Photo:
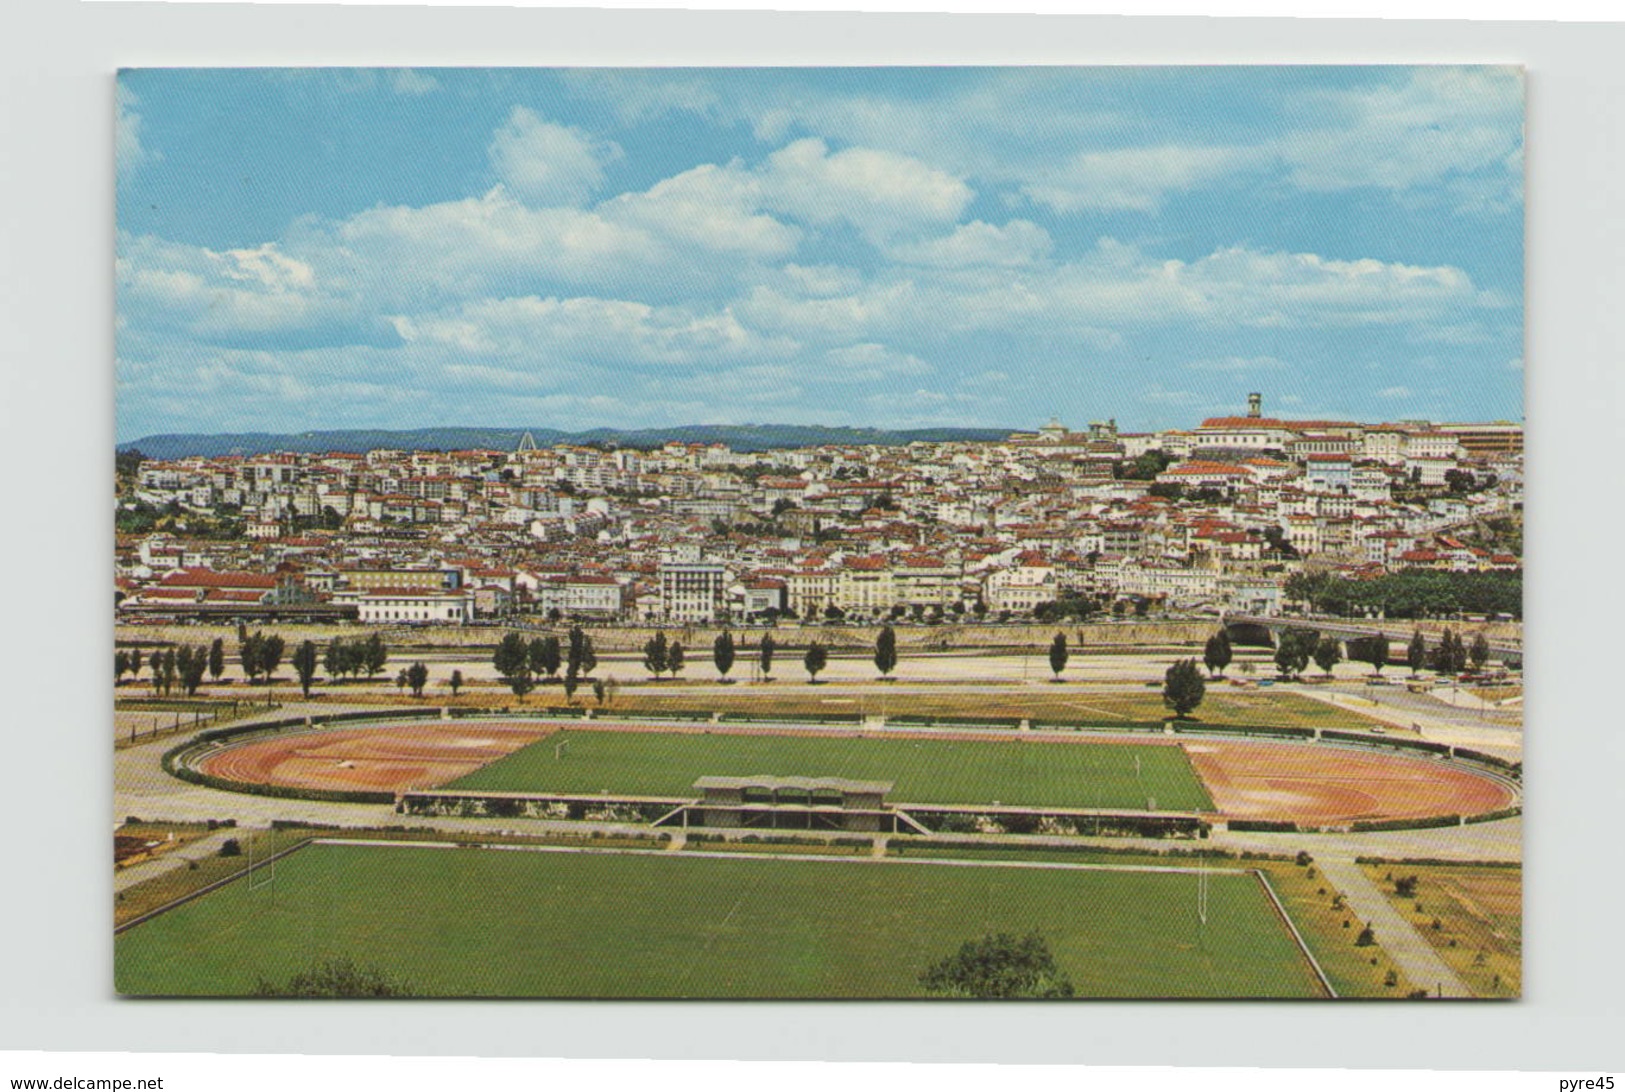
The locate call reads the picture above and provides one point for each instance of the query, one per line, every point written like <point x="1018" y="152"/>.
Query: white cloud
<point x="464" y="247"/>
<point x="128" y="149"/>
<point x="881" y="193"/>
<point x="712" y="208"/>
<point x="216" y="294"/>
<point x="1115" y="287"/>
<point x="1395" y="392"/>
<point x="1019" y="242"/>
<point x="409" y="81"/>
<point x="1437" y="124"/>
<point x="870" y="361"/>
<point x="553" y="332"/>
<point x="1134" y="179"/>
<point x="821" y="280"/>
<point x="548" y="164"/>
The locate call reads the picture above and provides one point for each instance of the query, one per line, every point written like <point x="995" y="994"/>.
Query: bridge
<point x="1398" y="631"/>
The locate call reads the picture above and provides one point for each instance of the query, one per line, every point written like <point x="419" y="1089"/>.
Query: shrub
<point x="231" y="848"/>
<point x="1303" y="858"/>
<point x="1366" y="939"/>
<point x="1405" y="886"/>
<point x="1390" y="979"/>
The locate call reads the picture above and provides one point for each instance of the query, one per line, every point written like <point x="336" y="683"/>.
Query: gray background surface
<point x="56" y="64"/>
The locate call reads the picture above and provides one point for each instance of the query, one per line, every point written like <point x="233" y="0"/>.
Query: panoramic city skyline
<point x="576" y="249"/>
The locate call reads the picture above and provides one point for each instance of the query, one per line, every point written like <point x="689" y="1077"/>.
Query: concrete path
<point x="207" y="846"/>
<point x="1396" y="936"/>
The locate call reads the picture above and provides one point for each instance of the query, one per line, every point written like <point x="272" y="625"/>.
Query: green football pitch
<point x="1023" y="770"/>
<point x="458" y="922"/>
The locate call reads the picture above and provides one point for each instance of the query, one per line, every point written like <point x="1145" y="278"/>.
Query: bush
<point x="1303" y="858"/>
<point x="1368" y="825"/>
<point x="1366" y="939"/>
<point x="1405" y="886"/>
<point x="1280" y="826"/>
<point x="231" y="848"/>
<point x="1390" y="979"/>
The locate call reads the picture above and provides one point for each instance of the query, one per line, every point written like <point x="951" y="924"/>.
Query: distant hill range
<point x="737" y="437"/>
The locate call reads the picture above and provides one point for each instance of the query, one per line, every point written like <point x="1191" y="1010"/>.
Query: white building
<point x="692" y="591"/>
<point x="405" y="605"/>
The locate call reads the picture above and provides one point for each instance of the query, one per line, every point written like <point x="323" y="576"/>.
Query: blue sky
<point x="898" y="247"/>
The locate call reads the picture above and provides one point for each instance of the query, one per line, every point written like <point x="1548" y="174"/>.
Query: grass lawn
<point x="1480" y="916"/>
<point x="1019" y="771"/>
<point x="488" y="923"/>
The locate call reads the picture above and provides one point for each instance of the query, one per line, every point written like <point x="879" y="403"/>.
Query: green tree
<point x="1328" y="654"/>
<point x="417" y="676"/>
<point x="722" y="653"/>
<point x="545" y="655"/>
<point x="1000" y="966"/>
<point x="768" y="647"/>
<point x="183" y="662"/>
<point x="1294" y="651"/>
<point x="121" y="664"/>
<point x="1416" y="653"/>
<point x="1458" y="655"/>
<point x="192" y="677"/>
<point x="1058" y="655"/>
<point x="170" y="669"/>
<point x="271" y="655"/>
<point x="674" y="658"/>
<point x="579" y="658"/>
<point x="571" y="682"/>
<point x="304" y="665"/>
<point x="455" y="682"/>
<point x="520" y="681"/>
<point x="250" y="652"/>
<point x="815" y="660"/>
<point x="374" y="654"/>
<point x="338" y="660"/>
<point x="135" y="664"/>
<point x="655" y="654"/>
<point x="600" y="691"/>
<point x="217" y="659"/>
<point x="1183" y="688"/>
<point x="885" y="651"/>
<point x="1217" y="654"/>
<point x="1374" y="651"/>
<point x="512" y="656"/>
<point x="1479" y="653"/>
